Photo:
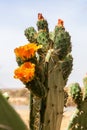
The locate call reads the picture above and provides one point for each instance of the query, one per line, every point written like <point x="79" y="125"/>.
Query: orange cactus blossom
<point x="40" y="16"/>
<point x="25" y="72"/>
<point x="60" y="23"/>
<point x="27" y="51"/>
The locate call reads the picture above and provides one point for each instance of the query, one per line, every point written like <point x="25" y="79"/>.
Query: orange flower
<point x="60" y="23"/>
<point x="27" y="51"/>
<point x="40" y="16"/>
<point x="25" y="72"/>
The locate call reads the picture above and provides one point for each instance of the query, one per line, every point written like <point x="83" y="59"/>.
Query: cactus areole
<point x="45" y="64"/>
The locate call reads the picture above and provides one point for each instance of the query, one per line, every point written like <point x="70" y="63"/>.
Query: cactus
<point x="51" y="65"/>
<point x="62" y="40"/>
<point x="9" y="118"/>
<point x="79" y="119"/>
<point x="42" y="23"/>
<point x="30" y="33"/>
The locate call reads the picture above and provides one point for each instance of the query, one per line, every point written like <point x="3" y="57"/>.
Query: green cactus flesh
<point x="35" y="112"/>
<point x="67" y="67"/>
<point x="30" y="34"/>
<point x="42" y="38"/>
<point x="9" y="119"/>
<point x="42" y="25"/>
<point x="76" y="93"/>
<point x="79" y="119"/>
<point x="37" y="88"/>
<point x="62" y="42"/>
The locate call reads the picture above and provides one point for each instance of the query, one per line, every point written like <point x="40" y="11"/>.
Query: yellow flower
<point x="25" y="72"/>
<point x="27" y="51"/>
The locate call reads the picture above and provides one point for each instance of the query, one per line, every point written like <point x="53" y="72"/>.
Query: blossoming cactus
<point x="44" y="66"/>
<point x="79" y="119"/>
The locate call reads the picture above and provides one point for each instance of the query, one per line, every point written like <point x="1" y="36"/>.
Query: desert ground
<point x="20" y="101"/>
<point x="66" y="117"/>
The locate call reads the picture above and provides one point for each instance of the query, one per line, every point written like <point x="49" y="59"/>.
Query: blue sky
<point x="16" y="16"/>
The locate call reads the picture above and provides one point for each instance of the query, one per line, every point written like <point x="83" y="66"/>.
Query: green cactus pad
<point x="76" y="93"/>
<point x="9" y="119"/>
<point x="79" y="119"/>
<point x="67" y="66"/>
<point x="42" y="38"/>
<point x="30" y="34"/>
<point x="42" y="25"/>
<point x="62" y="42"/>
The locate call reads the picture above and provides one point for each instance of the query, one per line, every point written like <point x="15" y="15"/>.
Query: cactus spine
<point x="53" y="64"/>
<point x="79" y="119"/>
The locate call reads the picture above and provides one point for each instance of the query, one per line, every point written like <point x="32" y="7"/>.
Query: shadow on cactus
<point x="79" y="119"/>
<point x="45" y="64"/>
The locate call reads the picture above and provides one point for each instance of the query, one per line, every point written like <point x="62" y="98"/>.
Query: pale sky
<point x="16" y="16"/>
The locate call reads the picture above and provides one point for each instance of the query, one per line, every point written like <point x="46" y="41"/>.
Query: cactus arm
<point x="78" y="121"/>
<point x="67" y="65"/>
<point x="42" y="23"/>
<point x="34" y="112"/>
<point x="62" y="42"/>
<point x="54" y="106"/>
<point x="31" y="122"/>
<point x="73" y="122"/>
<point x="9" y="119"/>
<point x="37" y="88"/>
<point x="76" y="93"/>
<point x="30" y="34"/>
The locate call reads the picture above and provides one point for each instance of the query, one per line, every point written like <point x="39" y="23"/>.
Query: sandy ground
<point x="18" y="100"/>
<point x="66" y="118"/>
<point x="65" y="121"/>
<point x="24" y="115"/>
<point x="21" y="97"/>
